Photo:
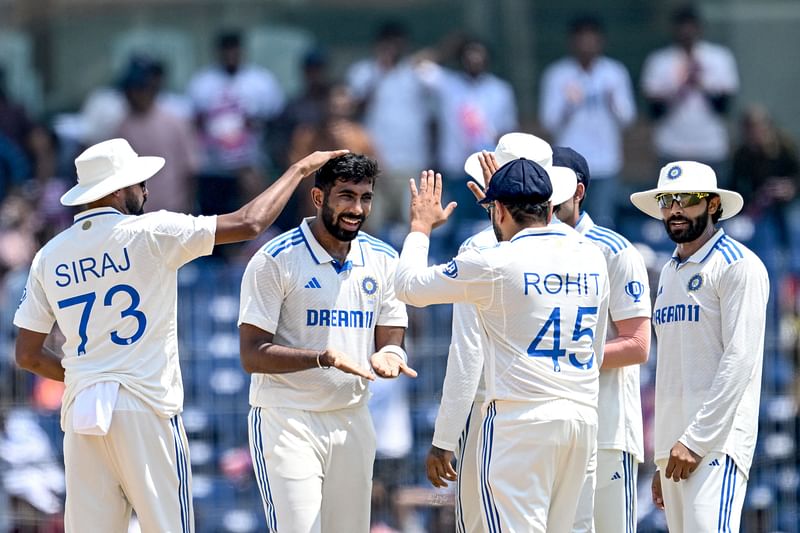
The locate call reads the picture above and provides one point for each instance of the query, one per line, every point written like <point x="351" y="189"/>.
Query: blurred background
<point x="231" y="92"/>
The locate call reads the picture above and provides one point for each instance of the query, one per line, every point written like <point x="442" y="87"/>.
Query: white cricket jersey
<point x="110" y="281"/>
<point x="542" y="299"/>
<point x="709" y="317"/>
<point x="294" y="289"/>
<point x="620" y="401"/>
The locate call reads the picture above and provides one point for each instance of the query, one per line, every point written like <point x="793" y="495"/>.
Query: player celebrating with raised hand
<point x="110" y="282"/>
<point x="709" y="318"/>
<point x="458" y="422"/>
<point x="541" y="296"/>
<point x="320" y="296"/>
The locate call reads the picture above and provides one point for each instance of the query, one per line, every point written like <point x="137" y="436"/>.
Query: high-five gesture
<point x="489" y="166"/>
<point x="426" y="203"/>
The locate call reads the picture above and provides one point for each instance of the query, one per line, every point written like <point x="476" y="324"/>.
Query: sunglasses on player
<point x="684" y="199"/>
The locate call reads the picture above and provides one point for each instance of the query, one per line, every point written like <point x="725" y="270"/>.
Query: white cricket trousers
<point x="141" y="463"/>
<point x="468" y="499"/>
<point x="710" y="500"/>
<point x="533" y="463"/>
<point x="314" y="469"/>
<point x="614" y="506"/>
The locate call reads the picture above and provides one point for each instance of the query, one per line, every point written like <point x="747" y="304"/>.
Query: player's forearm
<point x="631" y="346"/>
<point x="271" y="358"/>
<point x="253" y="218"/>
<point x="44" y="363"/>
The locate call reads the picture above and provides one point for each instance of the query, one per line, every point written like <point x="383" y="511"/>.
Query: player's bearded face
<point x="681" y="228"/>
<point x="133" y="204"/>
<point x="333" y="221"/>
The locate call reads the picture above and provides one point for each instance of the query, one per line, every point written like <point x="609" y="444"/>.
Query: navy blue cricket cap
<point x="569" y="158"/>
<point x="519" y="180"/>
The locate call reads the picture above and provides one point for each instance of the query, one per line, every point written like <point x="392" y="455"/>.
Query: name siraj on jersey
<point x="76" y="271"/>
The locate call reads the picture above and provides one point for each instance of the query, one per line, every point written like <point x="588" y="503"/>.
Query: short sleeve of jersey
<point x="393" y="311"/>
<point x="181" y="238"/>
<point x="630" y="289"/>
<point x="262" y="293"/>
<point x="34" y="312"/>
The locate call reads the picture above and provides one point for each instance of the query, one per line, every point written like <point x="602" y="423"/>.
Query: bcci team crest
<point x="695" y="282"/>
<point x="674" y="172"/>
<point x="451" y="269"/>
<point x="369" y="285"/>
<point x="635" y="289"/>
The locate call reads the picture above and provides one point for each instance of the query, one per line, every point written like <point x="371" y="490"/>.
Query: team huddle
<point x="540" y="423"/>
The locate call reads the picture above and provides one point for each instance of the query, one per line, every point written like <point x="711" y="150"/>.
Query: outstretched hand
<point x="390" y="365"/>
<point x="312" y="162"/>
<point x="336" y="359"/>
<point x="489" y="166"/>
<point x="426" y="203"/>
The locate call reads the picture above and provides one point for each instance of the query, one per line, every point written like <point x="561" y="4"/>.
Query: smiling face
<point x="344" y="208"/>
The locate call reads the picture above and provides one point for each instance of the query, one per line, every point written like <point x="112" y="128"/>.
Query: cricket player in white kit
<point x="608" y="501"/>
<point x="110" y="282"/>
<point x="542" y="300"/>
<point x="709" y="317"/>
<point x="458" y="422"/>
<point x="320" y="296"/>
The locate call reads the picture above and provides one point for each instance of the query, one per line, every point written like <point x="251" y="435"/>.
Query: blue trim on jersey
<point x="281" y="240"/>
<point x="621" y="241"/>
<point x="489" y="507"/>
<point x="377" y="244"/>
<point x="611" y="239"/>
<point x="557" y="233"/>
<point x="726" y="496"/>
<point x="285" y="246"/>
<point x="95" y="215"/>
<point x="260" y="466"/>
<point x="630" y="492"/>
<point x="462" y="443"/>
<point x="729" y="248"/>
<point x="183" y="471"/>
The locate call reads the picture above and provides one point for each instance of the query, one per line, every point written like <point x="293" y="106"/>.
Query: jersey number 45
<point x="554" y="323"/>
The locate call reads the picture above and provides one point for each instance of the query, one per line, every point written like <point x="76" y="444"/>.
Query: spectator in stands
<point x="689" y="87"/>
<point x="151" y="129"/>
<point x="766" y="170"/>
<point x="396" y="107"/>
<point x="307" y="108"/>
<point x="586" y="101"/>
<point x="475" y="108"/>
<point x="232" y="102"/>
<point x="337" y="128"/>
<point x="14" y="166"/>
<point x="14" y="122"/>
<point x="50" y="181"/>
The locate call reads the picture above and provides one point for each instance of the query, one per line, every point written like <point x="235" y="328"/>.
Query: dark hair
<point x="391" y="29"/>
<point x="352" y="168"/>
<point x="526" y="213"/>
<point x="583" y="23"/>
<point x="229" y="39"/>
<point x="718" y="214"/>
<point x="686" y="14"/>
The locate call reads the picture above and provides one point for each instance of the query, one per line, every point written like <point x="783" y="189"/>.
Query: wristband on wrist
<point x="397" y="350"/>
<point x="319" y="363"/>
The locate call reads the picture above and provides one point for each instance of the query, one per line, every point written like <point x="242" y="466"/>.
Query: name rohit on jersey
<point x="676" y="313"/>
<point x="340" y="318"/>
<point x="88" y="268"/>
<point x="578" y="284"/>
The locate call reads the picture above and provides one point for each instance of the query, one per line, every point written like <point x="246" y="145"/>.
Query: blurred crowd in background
<point x="232" y="130"/>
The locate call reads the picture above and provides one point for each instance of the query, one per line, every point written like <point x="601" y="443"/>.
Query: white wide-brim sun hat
<point x="687" y="176"/>
<point x="524" y="145"/>
<point x="107" y="167"/>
